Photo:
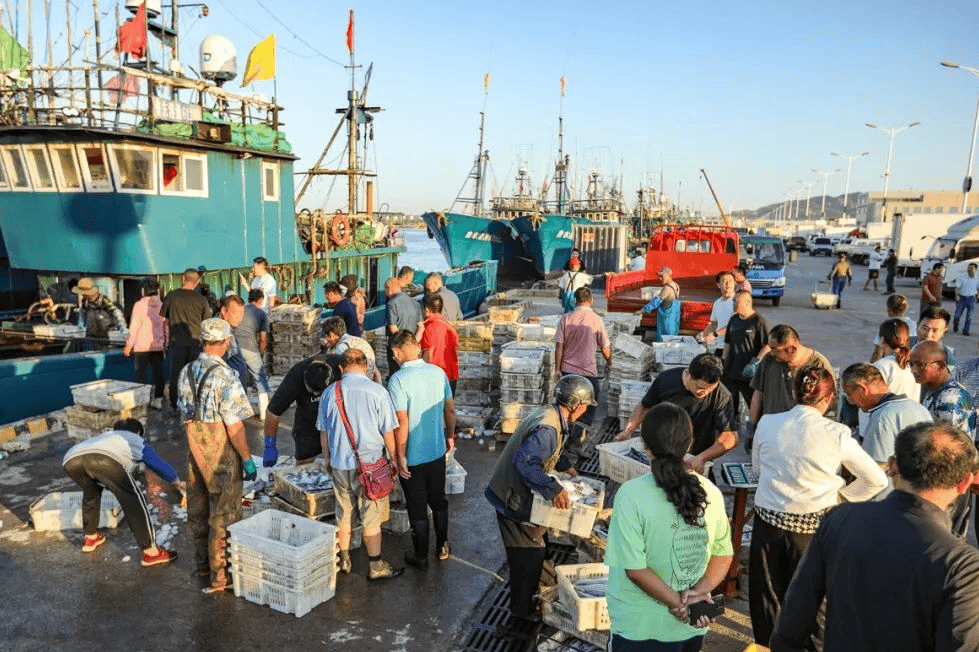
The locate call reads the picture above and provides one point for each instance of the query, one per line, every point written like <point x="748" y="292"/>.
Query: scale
<point x="739" y="475"/>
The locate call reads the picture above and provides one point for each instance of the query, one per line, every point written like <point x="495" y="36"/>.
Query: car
<point x="797" y="243"/>
<point x="821" y="246"/>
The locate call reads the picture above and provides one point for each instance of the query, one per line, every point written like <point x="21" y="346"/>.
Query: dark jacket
<point x="894" y="578"/>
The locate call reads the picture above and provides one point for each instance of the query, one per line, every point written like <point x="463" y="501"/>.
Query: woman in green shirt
<point x="669" y="544"/>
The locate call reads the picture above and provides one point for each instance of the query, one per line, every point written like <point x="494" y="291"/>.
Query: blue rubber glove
<point x="271" y="455"/>
<point x="250" y="471"/>
<point x="749" y="369"/>
<point x="653" y="304"/>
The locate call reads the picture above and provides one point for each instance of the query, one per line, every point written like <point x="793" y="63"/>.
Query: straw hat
<point x="86" y="288"/>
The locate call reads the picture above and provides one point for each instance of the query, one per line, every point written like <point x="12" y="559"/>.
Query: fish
<point x="591" y="587"/>
<point x="311" y="481"/>
<point x="638" y="455"/>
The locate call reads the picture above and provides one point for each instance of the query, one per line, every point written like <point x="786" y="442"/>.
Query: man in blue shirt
<point x="342" y="307"/>
<point x="373" y="422"/>
<point x="426" y="426"/>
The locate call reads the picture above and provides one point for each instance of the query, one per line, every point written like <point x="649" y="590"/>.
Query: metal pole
<point x="98" y="44"/>
<point x="967" y="182"/>
<point x="808" y="192"/>
<point x="891" y="132"/>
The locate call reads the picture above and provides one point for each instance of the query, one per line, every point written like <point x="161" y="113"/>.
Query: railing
<point x="72" y="96"/>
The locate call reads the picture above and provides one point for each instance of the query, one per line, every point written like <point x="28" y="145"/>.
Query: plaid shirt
<point x="222" y="397"/>
<point x="952" y="403"/>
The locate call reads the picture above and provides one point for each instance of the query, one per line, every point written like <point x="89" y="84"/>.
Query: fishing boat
<point x="119" y="172"/>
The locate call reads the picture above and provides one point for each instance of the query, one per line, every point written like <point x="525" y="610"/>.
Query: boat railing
<point x="122" y="99"/>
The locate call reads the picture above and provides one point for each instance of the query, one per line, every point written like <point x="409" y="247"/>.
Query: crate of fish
<point x="308" y="487"/>
<point x="592" y="549"/>
<point x="526" y="396"/>
<point x="632" y="346"/>
<point x="473" y="329"/>
<point x="581" y="588"/>
<point x="108" y="394"/>
<point x="677" y="350"/>
<point x="587" y="499"/>
<point x="522" y="361"/>
<point x="558" y="615"/>
<point x="521" y="381"/>
<point x="284" y="599"/>
<point x="475" y="344"/>
<point x="63" y="511"/>
<point x="621" y="461"/>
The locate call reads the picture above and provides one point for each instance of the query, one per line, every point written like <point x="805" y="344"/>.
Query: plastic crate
<point x="63" y="511"/>
<point x="111" y="394"/>
<point x="286" y="537"/>
<point x="291" y="576"/>
<point x="99" y="420"/>
<point x="586" y="613"/>
<point x="455" y="478"/>
<point x="312" y="503"/>
<point x="473" y="329"/>
<point x="632" y="346"/>
<point x="509" y="425"/>
<point x="521" y="381"/>
<point x="505" y="314"/>
<point x="398" y="522"/>
<point x="526" y="396"/>
<point x="522" y="361"/>
<point x="577" y="520"/>
<point x="613" y="463"/>
<point x="557" y="615"/>
<point x="284" y="599"/>
<point x="517" y="410"/>
<point x="473" y="344"/>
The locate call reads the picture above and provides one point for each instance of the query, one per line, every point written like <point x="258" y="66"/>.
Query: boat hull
<point x="466" y="239"/>
<point x="547" y="240"/>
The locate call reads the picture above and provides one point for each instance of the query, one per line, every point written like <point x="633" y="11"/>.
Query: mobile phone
<point x="698" y="609"/>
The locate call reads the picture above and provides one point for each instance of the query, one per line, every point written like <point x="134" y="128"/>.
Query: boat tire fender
<point x="340" y="230"/>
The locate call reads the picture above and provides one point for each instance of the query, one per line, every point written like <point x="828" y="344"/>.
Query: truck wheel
<point x="776" y="301"/>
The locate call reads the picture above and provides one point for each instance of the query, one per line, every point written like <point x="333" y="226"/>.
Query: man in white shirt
<point x="638" y="261"/>
<point x="262" y="280"/>
<point x="874" y="261"/>
<point x="966" y="289"/>
<point x="720" y="314"/>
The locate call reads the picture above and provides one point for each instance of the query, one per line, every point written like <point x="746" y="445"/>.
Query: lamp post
<point x="891" y="132"/>
<point x="849" y="164"/>
<point x="967" y="182"/>
<point x="808" y="185"/>
<point x="826" y="176"/>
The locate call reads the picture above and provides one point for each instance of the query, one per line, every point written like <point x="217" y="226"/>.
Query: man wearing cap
<point x="336" y="339"/>
<point x="262" y="280"/>
<point x="96" y="314"/>
<point x="183" y="311"/>
<point x="213" y="405"/>
<point x="666" y="303"/>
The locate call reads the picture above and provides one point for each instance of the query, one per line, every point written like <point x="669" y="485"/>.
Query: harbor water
<point x="422" y="252"/>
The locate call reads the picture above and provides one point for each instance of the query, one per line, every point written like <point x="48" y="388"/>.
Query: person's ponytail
<point x="668" y="434"/>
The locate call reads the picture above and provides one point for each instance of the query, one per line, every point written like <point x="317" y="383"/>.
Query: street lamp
<point x="808" y="185"/>
<point x="967" y="182"/>
<point x="849" y="164"/>
<point x="826" y="176"/>
<point x="891" y="132"/>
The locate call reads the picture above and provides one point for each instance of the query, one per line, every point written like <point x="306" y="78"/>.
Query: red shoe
<point x="161" y="557"/>
<point x="93" y="543"/>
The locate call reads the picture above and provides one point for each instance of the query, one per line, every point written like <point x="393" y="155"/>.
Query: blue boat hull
<point x="466" y="239"/>
<point x="548" y="240"/>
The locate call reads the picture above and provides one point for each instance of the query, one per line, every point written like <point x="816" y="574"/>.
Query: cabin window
<point x="183" y="174"/>
<point x="39" y="166"/>
<point x="270" y="181"/>
<point x="4" y="181"/>
<point x="14" y="160"/>
<point x="66" y="168"/>
<point x="134" y="168"/>
<point x="681" y="245"/>
<point x="95" y="169"/>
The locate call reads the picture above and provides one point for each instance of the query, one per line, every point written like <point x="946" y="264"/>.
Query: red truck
<point x="696" y="254"/>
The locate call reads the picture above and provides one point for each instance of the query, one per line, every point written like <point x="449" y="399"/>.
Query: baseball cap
<point x="665" y="270"/>
<point x="215" y="330"/>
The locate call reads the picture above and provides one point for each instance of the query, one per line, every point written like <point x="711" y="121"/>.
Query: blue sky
<point x="756" y="92"/>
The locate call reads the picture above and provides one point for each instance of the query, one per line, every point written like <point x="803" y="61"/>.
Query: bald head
<point x="929" y="351"/>
<point x="392" y="286"/>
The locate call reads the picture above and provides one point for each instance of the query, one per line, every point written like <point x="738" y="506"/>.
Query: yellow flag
<point x="261" y="62"/>
<point x="563" y="82"/>
<point x="486" y="81"/>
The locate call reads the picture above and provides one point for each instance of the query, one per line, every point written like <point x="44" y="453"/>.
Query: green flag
<point x="13" y="55"/>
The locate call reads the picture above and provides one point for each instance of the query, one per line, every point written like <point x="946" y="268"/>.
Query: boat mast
<point x="561" y="166"/>
<point x="478" y="172"/>
<point x="352" y="120"/>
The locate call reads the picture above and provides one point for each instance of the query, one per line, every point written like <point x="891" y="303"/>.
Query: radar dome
<point x="152" y="7"/>
<point x="219" y="59"/>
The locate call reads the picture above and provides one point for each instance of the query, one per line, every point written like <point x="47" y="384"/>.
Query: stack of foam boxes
<point x="101" y="403"/>
<point x="526" y="381"/>
<point x="631" y="361"/>
<point x="474" y="391"/>
<point x="295" y="335"/>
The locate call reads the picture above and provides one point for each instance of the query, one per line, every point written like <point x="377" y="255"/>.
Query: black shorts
<point x="874" y="273"/>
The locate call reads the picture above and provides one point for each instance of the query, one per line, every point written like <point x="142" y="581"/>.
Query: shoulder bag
<point x="377" y="478"/>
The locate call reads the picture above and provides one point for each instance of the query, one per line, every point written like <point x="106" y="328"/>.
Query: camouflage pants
<point x="214" y="503"/>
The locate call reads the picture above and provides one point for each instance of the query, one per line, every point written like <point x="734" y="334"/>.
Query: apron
<point x="668" y="319"/>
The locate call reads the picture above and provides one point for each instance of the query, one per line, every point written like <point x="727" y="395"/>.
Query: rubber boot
<point x="263" y="405"/>
<point x="441" y="521"/>
<point x="419" y="540"/>
<point x="525" y="571"/>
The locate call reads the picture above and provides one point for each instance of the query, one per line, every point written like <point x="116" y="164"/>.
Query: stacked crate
<point x="285" y="561"/>
<point x="476" y="378"/>
<point x="295" y="335"/>
<point x="521" y="385"/>
<point x="676" y="351"/>
<point x="630" y="394"/>
<point x="631" y="361"/>
<point x="101" y="403"/>
<point x="379" y="340"/>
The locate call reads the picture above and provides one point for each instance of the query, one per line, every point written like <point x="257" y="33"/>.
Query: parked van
<point x="764" y="258"/>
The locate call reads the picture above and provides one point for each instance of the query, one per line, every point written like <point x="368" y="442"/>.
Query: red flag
<point x="130" y="88"/>
<point x="132" y="34"/>
<point x="350" y="33"/>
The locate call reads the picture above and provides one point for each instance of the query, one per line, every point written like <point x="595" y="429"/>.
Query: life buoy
<point x="340" y="230"/>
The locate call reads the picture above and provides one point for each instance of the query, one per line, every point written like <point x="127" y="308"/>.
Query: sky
<point x="758" y="93"/>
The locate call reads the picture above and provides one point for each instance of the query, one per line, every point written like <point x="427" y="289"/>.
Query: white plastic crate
<point x="287" y="575"/>
<point x="557" y="615"/>
<point x="613" y="463"/>
<point x="522" y="361"/>
<point x="280" y="598"/>
<point x="632" y="346"/>
<point x="521" y="381"/>
<point x="286" y="538"/>
<point x="63" y="511"/>
<point x="586" y="613"/>
<point x="525" y="396"/>
<point x="455" y="477"/>
<point x="577" y="520"/>
<point x="111" y="394"/>
<point x="517" y="410"/>
<point x="398" y="523"/>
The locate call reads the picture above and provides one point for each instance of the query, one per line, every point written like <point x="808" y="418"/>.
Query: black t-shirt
<point x="185" y="309"/>
<point x="293" y="390"/>
<point x="710" y="416"/>
<point x="744" y="338"/>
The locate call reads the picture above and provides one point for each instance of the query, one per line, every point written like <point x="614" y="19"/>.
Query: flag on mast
<point x="350" y="33"/>
<point x="13" y="55"/>
<point x="132" y="34"/>
<point x="261" y="62"/>
<point x="486" y="81"/>
<point x="563" y="82"/>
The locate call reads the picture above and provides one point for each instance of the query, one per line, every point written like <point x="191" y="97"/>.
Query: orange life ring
<point x="340" y="230"/>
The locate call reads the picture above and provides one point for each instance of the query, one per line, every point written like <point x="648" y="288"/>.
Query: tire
<point x="776" y="301"/>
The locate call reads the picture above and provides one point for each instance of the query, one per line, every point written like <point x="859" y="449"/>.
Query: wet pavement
<point x="56" y="598"/>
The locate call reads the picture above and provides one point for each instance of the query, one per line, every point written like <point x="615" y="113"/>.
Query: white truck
<point x="913" y="235"/>
<point x="956" y="248"/>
